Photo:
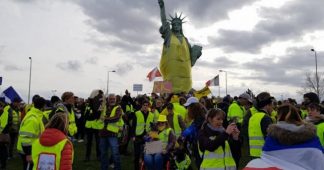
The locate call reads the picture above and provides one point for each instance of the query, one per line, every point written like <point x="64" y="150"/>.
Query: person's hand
<point x="230" y="128"/>
<point x="161" y="3"/>
<point x="29" y="159"/>
<point x="236" y="133"/>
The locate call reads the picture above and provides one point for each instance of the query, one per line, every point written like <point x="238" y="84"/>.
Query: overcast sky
<point x="263" y="45"/>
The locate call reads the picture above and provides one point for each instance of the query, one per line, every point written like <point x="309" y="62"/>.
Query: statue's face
<point x="176" y="26"/>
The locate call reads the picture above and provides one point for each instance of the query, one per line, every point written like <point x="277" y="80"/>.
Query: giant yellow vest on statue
<point x="175" y="64"/>
<point x="219" y="159"/>
<point x="256" y="139"/>
<point x="48" y="156"/>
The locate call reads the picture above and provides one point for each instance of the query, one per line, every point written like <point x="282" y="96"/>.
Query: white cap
<point x="191" y="100"/>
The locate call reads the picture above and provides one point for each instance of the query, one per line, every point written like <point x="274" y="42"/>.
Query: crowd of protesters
<point x="174" y="131"/>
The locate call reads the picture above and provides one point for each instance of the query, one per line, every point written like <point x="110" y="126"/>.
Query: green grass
<point x="93" y="164"/>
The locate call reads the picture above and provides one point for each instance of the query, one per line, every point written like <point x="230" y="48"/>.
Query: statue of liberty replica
<point x="178" y="56"/>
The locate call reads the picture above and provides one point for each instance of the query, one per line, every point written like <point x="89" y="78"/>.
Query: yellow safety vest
<point x="304" y="113"/>
<point x="176" y="125"/>
<point x="89" y="123"/>
<point x="177" y="107"/>
<point x="116" y="126"/>
<point x="48" y="156"/>
<point x="320" y="132"/>
<point x="46" y="114"/>
<point x="4" y="118"/>
<point x="253" y="110"/>
<point x="164" y="137"/>
<point x="183" y="165"/>
<point x="72" y="125"/>
<point x="30" y="128"/>
<point x="256" y="138"/>
<point x="235" y="110"/>
<point x="274" y="116"/>
<point x="141" y="125"/>
<point x="220" y="159"/>
<point x="156" y="115"/>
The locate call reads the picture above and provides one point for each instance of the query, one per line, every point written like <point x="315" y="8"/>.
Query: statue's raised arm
<point x="162" y="13"/>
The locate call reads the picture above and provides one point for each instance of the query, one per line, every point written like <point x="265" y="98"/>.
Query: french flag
<point x="154" y="73"/>
<point x="213" y="82"/>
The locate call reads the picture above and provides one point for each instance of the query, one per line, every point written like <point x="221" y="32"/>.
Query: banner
<point x="162" y="87"/>
<point x="137" y="87"/>
<point x="203" y="92"/>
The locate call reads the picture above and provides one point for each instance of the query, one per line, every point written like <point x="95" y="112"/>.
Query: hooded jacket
<point x="51" y="137"/>
<point x="289" y="146"/>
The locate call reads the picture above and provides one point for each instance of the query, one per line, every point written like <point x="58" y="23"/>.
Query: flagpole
<point x="218" y="90"/>
<point x="30" y="70"/>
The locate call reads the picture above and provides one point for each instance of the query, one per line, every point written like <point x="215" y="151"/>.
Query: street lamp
<point x="225" y="79"/>
<point x="317" y="86"/>
<point x="30" y="70"/>
<point x="107" y="90"/>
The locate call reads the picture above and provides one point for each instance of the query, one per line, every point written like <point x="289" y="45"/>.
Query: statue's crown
<point x="176" y="18"/>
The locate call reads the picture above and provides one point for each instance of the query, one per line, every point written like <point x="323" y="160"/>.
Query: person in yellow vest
<point x="315" y="117"/>
<point x="92" y="115"/>
<point x="175" y="120"/>
<point x="68" y="107"/>
<point x="14" y="128"/>
<point x="237" y="110"/>
<point x="166" y="136"/>
<point x="259" y="122"/>
<point x="5" y="123"/>
<point x="31" y="128"/>
<point x="53" y="150"/>
<point x="141" y="126"/>
<point x="216" y="142"/>
<point x="111" y="117"/>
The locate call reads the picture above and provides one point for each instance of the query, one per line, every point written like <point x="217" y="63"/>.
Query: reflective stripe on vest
<point x="48" y="154"/>
<point x="28" y="133"/>
<point x="219" y="159"/>
<point x="141" y="125"/>
<point x="256" y="139"/>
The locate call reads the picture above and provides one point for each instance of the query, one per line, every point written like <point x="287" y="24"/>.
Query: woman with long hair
<point x="215" y="141"/>
<point x="53" y="149"/>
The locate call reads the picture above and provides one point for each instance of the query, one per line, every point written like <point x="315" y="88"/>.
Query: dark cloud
<point x="72" y="65"/>
<point x="134" y="24"/>
<point x="289" y="69"/>
<point x="290" y="22"/>
<point x="12" y="68"/>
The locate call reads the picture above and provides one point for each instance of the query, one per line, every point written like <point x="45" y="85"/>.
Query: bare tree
<point x="310" y="84"/>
